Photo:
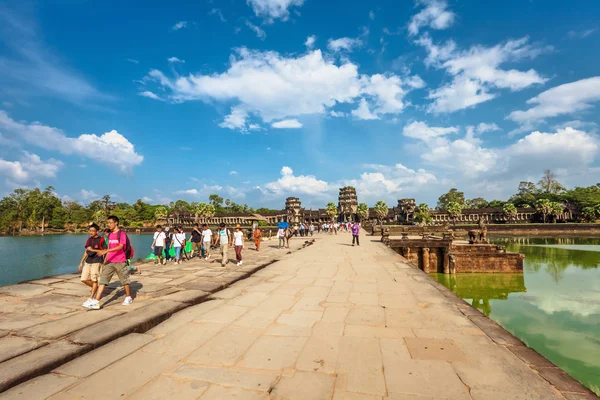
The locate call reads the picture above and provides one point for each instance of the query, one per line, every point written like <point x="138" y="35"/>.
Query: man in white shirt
<point x="206" y="240"/>
<point x="158" y="244"/>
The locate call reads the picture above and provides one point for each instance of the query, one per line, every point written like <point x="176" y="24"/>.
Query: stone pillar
<point x="425" y="256"/>
<point x="446" y="260"/>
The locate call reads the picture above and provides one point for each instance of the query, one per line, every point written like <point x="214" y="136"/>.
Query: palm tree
<point x="556" y="209"/>
<point x="454" y="209"/>
<point x="510" y="211"/>
<point x="363" y="212"/>
<point x="331" y="210"/>
<point x="544" y="207"/>
<point x="381" y="211"/>
<point x="422" y="214"/>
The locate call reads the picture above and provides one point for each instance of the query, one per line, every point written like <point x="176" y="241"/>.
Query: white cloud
<point x="484" y="127"/>
<point x="110" y="148"/>
<point x="420" y="130"/>
<point x="581" y="34"/>
<point x="287" y="124"/>
<point x="88" y="195"/>
<point x="233" y="173"/>
<point x="174" y="60"/>
<point x="277" y="87"/>
<point x="131" y="60"/>
<point x="563" y="149"/>
<point x="150" y="95"/>
<point x="337" y="114"/>
<point x="236" y="120"/>
<point x="29" y="167"/>
<point x="568" y="98"/>
<point x="147" y="199"/>
<point x="435" y="15"/>
<point x="345" y="43"/>
<point x="303" y="184"/>
<point x="477" y="71"/>
<point x="271" y="10"/>
<point x="363" y="111"/>
<point x="216" y="11"/>
<point x="371" y="15"/>
<point x="310" y="41"/>
<point x="460" y="94"/>
<point x="179" y="25"/>
<point x="257" y="30"/>
<point x="388" y="182"/>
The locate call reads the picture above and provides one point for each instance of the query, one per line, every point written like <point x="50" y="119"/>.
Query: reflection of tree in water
<point x="553" y="259"/>
<point x="481" y="288"/>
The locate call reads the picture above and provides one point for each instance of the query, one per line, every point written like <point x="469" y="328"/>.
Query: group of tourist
<point x="105" y="256"/>
<point x="284" y="234"/>
<point x="202" y="241"/>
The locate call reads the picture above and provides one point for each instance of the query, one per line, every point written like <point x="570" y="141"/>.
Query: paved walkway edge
<point x="569" y="387"/>
<point x="36" y="362"/>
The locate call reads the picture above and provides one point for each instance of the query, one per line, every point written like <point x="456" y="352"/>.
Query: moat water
<point x="33" y="257"/>
<point x="554" y="307"/>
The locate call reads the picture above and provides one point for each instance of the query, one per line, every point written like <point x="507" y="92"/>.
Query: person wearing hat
<point x="224" y="238"/>
<point x="238" y="243"/>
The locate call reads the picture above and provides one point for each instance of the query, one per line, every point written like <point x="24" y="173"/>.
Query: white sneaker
<point x="128" y="300"/>
<point x="87" y="302"/>
<point x="94" y="305"/>
<point x="241" y="262"/>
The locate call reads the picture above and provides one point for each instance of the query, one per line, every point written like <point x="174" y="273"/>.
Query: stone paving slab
<point x="330" y="322"/>
<point x="49" y="309"/>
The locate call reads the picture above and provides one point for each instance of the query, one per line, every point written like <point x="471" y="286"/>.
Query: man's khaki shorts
<point x="91" y="272"/>
<point x="109" y="269"/>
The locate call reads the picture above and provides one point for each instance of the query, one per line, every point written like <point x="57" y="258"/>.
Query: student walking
<point x="196" y="241"/>
<point x="355" y="231"/>
<point x="91" y="262"/>
<point x="206" y="240"/>
<point x="257" y="235"/>
<point x="224" y="238"/>
<point x="115" y="262"/>
<point x="168" y="242"/>
<point x="238" y="243"/>
<point x="158" y="244"/>
<point x="178" y="243"/>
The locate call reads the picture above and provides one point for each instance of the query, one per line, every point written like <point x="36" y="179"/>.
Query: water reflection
<point x="554" y="307"/>
<point x="481" y="288"/>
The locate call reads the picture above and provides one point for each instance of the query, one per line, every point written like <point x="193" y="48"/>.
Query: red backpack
<point x="128" y="249"/>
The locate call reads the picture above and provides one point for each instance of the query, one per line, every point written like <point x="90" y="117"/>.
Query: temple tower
<point x="347" y="203"/>
<point x="406" y="211"/>
<point x="293" y="207"/>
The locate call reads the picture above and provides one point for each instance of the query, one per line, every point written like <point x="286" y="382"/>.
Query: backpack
<point x="128" y="248"/>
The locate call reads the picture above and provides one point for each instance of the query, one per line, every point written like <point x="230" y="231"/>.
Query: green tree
<point x="331" y="210"/>
<point x="453" y="196"/>
<point x="363" y="212"/>
<point x="422" y="215"/>
<point x="556" y="209"/>
<point x="549" y="184"/>
<point x="160" y="213"/>
<point x="215" y="200"/>
<point x="381" y="211"/>
<point x="510" y="211"/>
<point x="454" y="209"/>
<point x="107" y="204"/>
<point x="544" y="207"/>
<point x="589" y="213"/>
<point x="496" y="203"/>
<point x="477" y="202"/>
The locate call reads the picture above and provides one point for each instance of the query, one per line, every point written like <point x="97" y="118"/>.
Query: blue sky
<point x="262" y="99"/>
